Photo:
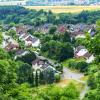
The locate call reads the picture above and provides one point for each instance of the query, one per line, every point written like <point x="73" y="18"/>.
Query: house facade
<point x="82" y="52"/>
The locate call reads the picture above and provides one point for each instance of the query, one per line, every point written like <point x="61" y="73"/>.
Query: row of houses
<point x="40" y="63"/>
<point x="21" y="31"/>
<point x="77" y="30"/>
<point x="29" y="39"/>
<point x="9" y="43"/>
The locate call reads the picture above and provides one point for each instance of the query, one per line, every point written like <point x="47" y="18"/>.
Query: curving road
<point x="68" y="74"/>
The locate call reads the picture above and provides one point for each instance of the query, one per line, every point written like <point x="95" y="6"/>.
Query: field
<point x="65" y="9"/>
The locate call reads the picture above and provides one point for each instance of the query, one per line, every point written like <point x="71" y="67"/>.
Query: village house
<point x="62" y="28"/>
<point x="28" y="27"/>
<point x="78" y="30"/>
<point x="42" y="64"/>
<point x="48" y="71"/>
<point x="30" y="40"/>
<point x="9" y="43"/>
<point x="20" y="30"/>
<point x="77" y="34"/>
<point x="20" y="53"/>
<point x="80" y="35"/>
<point x="77" y="27"/>
<point x="92" y="32"/>
<point x="25" y="36"/>
<point x="11" y="46"/>
<point x="43" y="28"/>
<point x="82" y="52"/>
<point x="5" y="39"/>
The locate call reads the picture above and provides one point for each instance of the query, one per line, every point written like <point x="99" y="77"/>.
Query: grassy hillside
<point x="65" y="9"/>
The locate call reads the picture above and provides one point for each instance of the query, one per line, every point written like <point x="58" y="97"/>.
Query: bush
<point x="57" y="77"/>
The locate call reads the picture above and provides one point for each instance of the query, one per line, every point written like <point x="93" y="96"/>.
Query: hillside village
<point x="47" y="56"/>
<point x="29" y="41"/>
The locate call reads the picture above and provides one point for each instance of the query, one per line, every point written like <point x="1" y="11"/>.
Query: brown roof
<point x="79" y="48"/>
<point x="20" y="30"/>
<point x="31" y="39"/>
<point x="87" y="55"/>
<point x="11" y="46"/>
<point x="77" y="33"/>
<point x="19" y="52"/>
<point x="41" y="62"/>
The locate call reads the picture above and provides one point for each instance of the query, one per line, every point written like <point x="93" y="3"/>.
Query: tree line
<point x="19" y="14"/>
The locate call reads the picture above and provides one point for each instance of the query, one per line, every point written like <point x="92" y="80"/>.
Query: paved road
<point x="68" y="74"/>
<point x="84" y="91"/>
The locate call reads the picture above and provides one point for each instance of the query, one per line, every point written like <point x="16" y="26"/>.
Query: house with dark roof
<point x="42" y="64"/>
<point x="43" y="28"/>
<point x="28" y="38"/>
<point x="20" y="30"/>
<point x="82" y="52"/>
<point x="20" y="53"/>
<point x="92" y="32"/>
<point x="32" y="41"/>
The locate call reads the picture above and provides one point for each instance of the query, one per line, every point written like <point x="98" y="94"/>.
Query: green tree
<point x="37" y="78"/>
<point x="24" y="73"/>
<point x="71" y="92"/>
<point x="7" y="75"/>
<point x="57" y="50"/>
<point x="94" y="45"/>
<point x="21" y="44"/>
<point x="1" y="38"/>
<point x="12" y="33"/>
<point x="21" y="92"/>
<point x="57" y="77"/>
<point x="52" y="30"/>
<point x="66" y="37"/>
<point x="28" y="58"/>
<point x="92" y="95"/>
<point x="12" y="24"/>
<point x="4" y="54"/>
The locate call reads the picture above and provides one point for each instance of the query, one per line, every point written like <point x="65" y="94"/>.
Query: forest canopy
<point x="19" y="14"/>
